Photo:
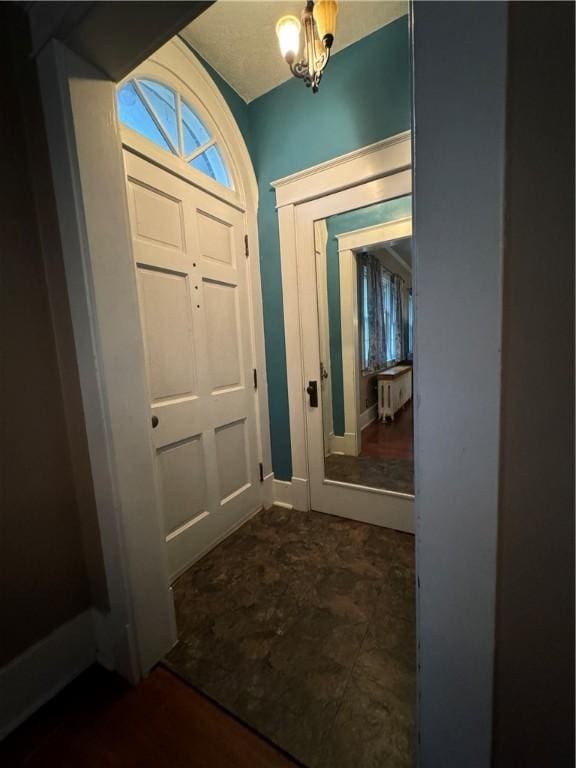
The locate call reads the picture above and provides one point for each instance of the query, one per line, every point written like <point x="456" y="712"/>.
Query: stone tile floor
<point x="303" y="626"/>
<point x="371" y="471"/>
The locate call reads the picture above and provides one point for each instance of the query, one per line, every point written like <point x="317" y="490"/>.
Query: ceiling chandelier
<point x="319" y="23"/>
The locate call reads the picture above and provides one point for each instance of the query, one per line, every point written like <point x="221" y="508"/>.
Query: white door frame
<point x="320" y="243"/>
<point x="366" y="176"/>
<point x="349" y="243"/>
<point x="86" y="157"/>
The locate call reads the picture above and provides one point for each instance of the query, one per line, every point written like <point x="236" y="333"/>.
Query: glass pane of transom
<point x="194" y="132"/>
<point x="163" y="101"/>
<point x="135" y="115"/>
<point x="211" y="163"/>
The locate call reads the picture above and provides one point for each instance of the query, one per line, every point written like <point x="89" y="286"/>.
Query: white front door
<point x="194" y="306"/>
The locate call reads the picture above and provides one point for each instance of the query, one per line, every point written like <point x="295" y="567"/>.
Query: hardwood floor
<point x="391" y="441"/>
<point x="99" y="721"/>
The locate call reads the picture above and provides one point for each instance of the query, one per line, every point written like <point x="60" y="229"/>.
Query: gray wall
<point x="494" y="285"/>
<point x="43" y="574"/>
<point x="534" y="681"/>
<point x="111" y="35"/>
<point x="459" y="110"/>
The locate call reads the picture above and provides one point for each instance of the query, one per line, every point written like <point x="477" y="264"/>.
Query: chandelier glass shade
<point x="318" y="20"/>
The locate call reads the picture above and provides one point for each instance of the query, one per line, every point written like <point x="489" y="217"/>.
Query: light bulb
<point x="288" y="32"/>
<point x="325" y="12"/>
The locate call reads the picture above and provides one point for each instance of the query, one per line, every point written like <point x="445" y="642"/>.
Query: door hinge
<point x="255" y="378"/>
<point x="246" y="246"/>
<point x="261" y="468"/>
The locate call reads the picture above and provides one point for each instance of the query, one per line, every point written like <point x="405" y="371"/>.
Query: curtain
<point x="384" y="314"/>
<point x="372" y="302"/>
<point x="401" y="316"/>
<point x="389" y="311"/>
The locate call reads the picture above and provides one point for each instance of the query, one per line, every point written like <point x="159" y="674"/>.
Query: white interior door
<point x="193" y="291"/>
<point x="370" y="505"/>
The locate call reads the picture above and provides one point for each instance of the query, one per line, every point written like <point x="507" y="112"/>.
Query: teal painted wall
<point x="348" y="222"/>
<point x="289" y="129"/>
<point x="292" y="129"/>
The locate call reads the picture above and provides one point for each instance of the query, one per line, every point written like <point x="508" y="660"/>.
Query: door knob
<point x="312" y="390"/>
<point x="155" y="422"/>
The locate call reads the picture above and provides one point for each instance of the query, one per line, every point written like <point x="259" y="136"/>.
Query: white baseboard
<point x="345" y="444"/>
<point x="115" y="649"/>
<point x="103" y="638"/>
<point x="368" y="416"/>
<point x="292" y="494"/>
<point x="268" y="490"/>
<point x="283" y="493"/>
<point x="38" y="674"/>
<point x="300" y="496"/>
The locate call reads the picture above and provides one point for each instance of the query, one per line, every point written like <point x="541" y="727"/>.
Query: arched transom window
<point x="161" y="115"/>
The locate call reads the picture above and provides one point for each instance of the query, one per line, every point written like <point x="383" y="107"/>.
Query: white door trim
<point x="320" y="242"/>
<point x="87" y="165"/>
<point x="350" y="347"/>
<point x="351" y="181"/>
<point x="379" y="159"/>
<point x="377" y="234"/>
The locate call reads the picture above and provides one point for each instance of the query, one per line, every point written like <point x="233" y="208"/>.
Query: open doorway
<point x="299" y="620"/>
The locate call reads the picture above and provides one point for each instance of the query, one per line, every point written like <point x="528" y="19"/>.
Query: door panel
<point x="233" y="458"/>
<point x="223" y="326"/>
<point x="183" y="480"/>
<point x="192" y="281"/>
<point x="167" y="315"/>
<point x="216" y="241"/>
<point x="157" y="217"/>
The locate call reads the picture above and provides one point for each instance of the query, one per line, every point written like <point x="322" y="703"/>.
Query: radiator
<point x="394" y="390"/>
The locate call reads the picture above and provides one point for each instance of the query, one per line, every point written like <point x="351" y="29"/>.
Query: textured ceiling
<point x="401" y="248"/>
<point x="238" y="37"/>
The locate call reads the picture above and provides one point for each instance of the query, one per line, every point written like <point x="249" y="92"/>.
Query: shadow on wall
<point x="47" y="571"/>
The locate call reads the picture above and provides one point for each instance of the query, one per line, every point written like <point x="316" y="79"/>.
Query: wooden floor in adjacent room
<point x="391" y="441"/>
<point x="100" y="722"/>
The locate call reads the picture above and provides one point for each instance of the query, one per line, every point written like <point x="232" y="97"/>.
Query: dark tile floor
<point x="371" y="471"/>
<point x="302" y="625"/>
